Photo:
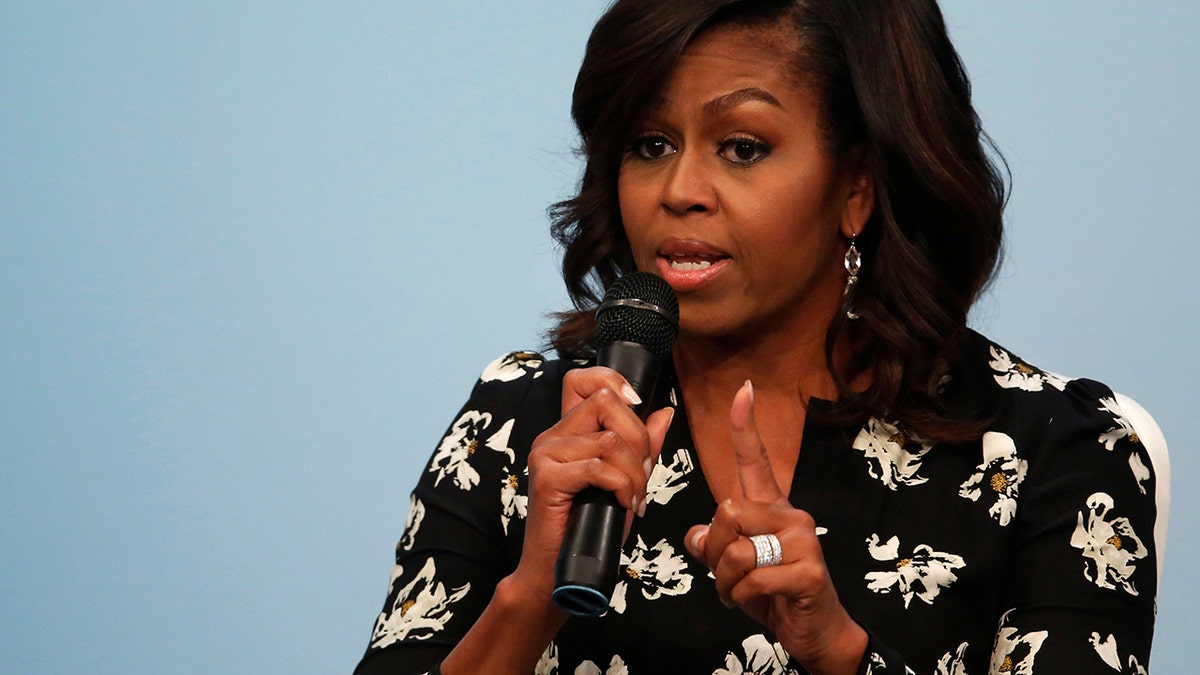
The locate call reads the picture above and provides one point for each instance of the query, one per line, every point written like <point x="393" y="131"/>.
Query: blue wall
<point x="251" y="260"/>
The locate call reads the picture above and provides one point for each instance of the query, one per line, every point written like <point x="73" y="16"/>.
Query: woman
<point x="809" y="178"/>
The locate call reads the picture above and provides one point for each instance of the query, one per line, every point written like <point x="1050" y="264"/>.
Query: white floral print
<point x="511" y="367"/>
<point x="668" y="479"/>
<point x="762" y="657"/>
<point x="989" y="483"/>
<point x="1013" y="652"/>
<point x="499" y="441"/>
<point x="548" y="662"/>
<point x="416" y="514"/>
<point x="1110" y="547"/>
<point x="420" y="609"/>
<point x="616" y="666"/>
<point x="891" y="455"/>
<point x="1013" y="373"/>
<point x="1141" y="473"/>
<point x="923" y="573"/>
<point x="512" y="503"/>
<point x="874" y="661"/>
<point x="453" y="456"/>
<point x="1002" y="471"/>
<point x="1123" y="428"/>
<point x="657" y="571"/>
<point x="877" y="666"/>
<point x="952" y="662"/>
<point x="1107" y="650"/>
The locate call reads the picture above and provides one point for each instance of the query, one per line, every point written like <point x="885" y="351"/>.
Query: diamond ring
<point x="767" y="551"/>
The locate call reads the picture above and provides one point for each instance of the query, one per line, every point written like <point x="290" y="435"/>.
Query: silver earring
<point x="853" y="266"/>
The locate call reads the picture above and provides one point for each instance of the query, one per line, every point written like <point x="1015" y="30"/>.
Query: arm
<point x="460" y="599"/>
<point x="1084" y="576"/>
<point x="1065" y="600"/>
<point x="795" y="596"/>
<point x="1078" y="588"/>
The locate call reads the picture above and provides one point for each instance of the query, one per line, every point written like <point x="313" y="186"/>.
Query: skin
<point x="730" y="169"/>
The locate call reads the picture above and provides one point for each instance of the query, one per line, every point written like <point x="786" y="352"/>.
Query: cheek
<point x="634" y="209"/>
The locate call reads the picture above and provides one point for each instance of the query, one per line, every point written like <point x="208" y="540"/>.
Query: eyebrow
<point x="733" y="99"/>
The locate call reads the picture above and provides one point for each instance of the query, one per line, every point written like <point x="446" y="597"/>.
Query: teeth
<point x="690" y="266"/>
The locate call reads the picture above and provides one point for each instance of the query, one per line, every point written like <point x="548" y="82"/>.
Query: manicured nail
<point x="642" y="507"/>
<point x="696" y="541"/>
<point x="670" y="417"/>
<point x="631" y="395"/>
<point x="750" y="388"/>
<point x="648" y="467"/>
<point x="635" y="507"/>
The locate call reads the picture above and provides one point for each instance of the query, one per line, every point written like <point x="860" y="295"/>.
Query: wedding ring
<point x="767" y="551"/>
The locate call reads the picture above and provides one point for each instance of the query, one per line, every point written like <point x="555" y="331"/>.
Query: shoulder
<point x="515" y="374"/>
<point x="523" y="387"/>
<point x="1056" y="418"/>
<point x="1040" y="395"/>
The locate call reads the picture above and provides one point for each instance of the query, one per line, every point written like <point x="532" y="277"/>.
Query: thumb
<point x="657" y="425"/>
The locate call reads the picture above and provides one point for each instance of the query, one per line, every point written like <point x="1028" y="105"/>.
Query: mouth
<point x="688" y="264"/>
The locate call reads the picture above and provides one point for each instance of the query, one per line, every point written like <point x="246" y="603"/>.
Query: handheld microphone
<point x="635" y="326"/>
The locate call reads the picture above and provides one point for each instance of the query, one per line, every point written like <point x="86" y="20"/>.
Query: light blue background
<point x="252" y="258"/>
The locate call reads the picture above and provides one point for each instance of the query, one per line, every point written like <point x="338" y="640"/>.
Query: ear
<point x="860" y="194"/>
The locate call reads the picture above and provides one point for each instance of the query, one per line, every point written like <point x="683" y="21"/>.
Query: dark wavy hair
<point x="892" y="89"/>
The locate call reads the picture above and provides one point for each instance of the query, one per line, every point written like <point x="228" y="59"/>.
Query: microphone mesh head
<point x="641" y="308"/>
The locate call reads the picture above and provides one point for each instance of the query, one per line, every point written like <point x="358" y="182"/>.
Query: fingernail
<point x="635" y="507"/>
<point x="696" y="541"/>
<point x="642" y="507"/>
<point x="750" y="388"/>
<point x="631" y="395"/>
<point x="670" y="417"/>
<point x="648" y="467"/>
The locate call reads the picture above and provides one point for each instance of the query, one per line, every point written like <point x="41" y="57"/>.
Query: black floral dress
<point x="1030" y="550"/>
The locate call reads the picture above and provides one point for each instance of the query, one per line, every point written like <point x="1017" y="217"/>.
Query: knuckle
<point x="810" y="574"/>
<point x="727" y="510"/>
<point x="593" y="466"/>
<point x="541" y="441"/>
<point x="609" y="440"/>
<point x="751" y="587"/>
<point x="804" y="519"/>
<point x="606" y="396"/>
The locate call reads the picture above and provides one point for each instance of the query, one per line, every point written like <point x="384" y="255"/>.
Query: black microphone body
<point x="636" y="325"/>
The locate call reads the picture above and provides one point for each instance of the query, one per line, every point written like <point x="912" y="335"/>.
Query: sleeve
<point x="467" y="507"/>
<point x="1083" y="578"/>
<point x="1078" y="590"/>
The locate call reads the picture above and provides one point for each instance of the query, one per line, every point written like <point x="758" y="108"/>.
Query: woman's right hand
<point x="599" y="441"/>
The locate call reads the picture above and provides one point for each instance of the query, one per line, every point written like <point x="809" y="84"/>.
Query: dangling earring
<point x="853" y="266"/>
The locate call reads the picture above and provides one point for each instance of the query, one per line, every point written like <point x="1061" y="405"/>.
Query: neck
<point x="783" y="363"/>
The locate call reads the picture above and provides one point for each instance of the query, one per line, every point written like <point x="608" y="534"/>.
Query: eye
<point x="652" y="147"/>
<point x="743" y="150"/>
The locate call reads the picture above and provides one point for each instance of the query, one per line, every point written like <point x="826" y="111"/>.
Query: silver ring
<point x="767" y="551"/>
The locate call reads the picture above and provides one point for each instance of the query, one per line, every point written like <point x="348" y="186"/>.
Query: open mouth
<point x="688" y="265"/>
<point x="691" y="262"/>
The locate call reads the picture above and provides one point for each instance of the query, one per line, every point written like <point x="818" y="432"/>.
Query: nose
<point x="688" y="186"/>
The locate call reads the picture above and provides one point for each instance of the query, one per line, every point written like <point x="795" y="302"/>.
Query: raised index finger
<point x="753" y="464"/>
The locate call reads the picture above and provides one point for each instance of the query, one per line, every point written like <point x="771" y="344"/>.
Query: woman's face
<point x="728" y="192"/>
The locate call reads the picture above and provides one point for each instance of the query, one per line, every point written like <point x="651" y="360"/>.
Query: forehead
<point x="729" y="59"/>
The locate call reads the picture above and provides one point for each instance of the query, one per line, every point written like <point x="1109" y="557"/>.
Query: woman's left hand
<point x="796" y="598"/>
